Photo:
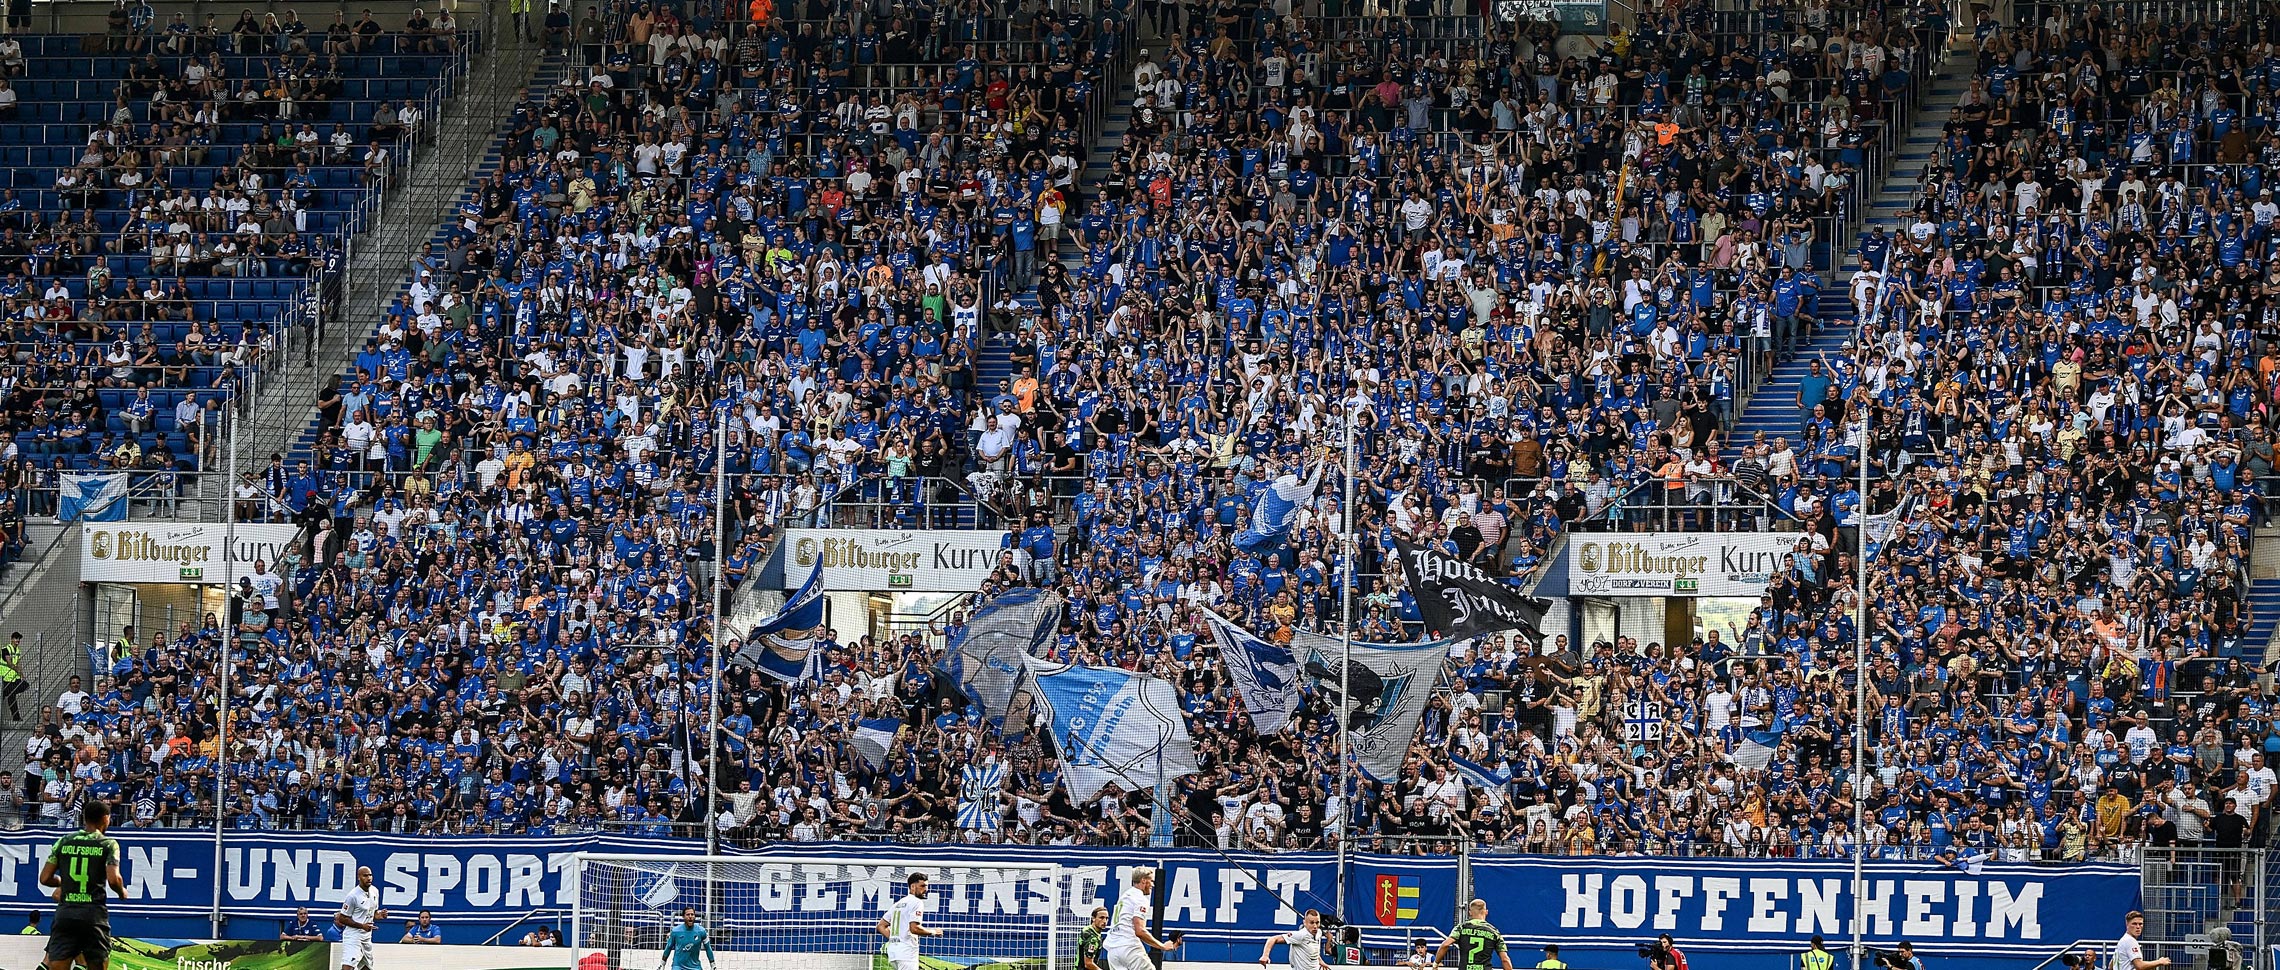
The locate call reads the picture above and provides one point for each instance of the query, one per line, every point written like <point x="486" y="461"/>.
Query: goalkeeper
<point x="1475" y="940"/>
<point x="685" y="942"/>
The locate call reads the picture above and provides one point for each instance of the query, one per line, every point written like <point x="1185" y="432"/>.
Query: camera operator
<point x="1663" y="954"/>
<point x="1902" y="957"/>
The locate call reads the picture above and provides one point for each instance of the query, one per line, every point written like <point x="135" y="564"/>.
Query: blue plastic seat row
<point x="208" y="288"/>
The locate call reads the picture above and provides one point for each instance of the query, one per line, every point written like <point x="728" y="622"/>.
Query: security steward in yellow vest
<point x="1817" y="958"/>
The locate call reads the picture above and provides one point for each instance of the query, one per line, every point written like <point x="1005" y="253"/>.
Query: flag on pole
<point x="1390" y="685"/>
<point x="988" y="660"/>
<point x="783" y="646"/>
<point x="1276" y="510"/>
<point x="1386" y="687"/>
<point x="1756" y="750"/>
<point x="1113" y="725"/>
<point x="1265" y="674"/>
<point x="1460" y="600"/>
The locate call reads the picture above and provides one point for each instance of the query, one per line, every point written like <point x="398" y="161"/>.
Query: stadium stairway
<point x="2264" y="606"/>
<point x="994" y="361"/>
<point x="1772" y="408"/>
<point x="467" y="151"/>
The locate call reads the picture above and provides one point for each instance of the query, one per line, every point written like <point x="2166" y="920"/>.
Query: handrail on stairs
<point x="2070" y="948"/>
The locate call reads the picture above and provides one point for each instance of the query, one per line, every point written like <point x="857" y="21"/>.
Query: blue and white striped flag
<point x="872" y="739"/>
<point x="783" y="646"/>
<point x="1482" y="775"/>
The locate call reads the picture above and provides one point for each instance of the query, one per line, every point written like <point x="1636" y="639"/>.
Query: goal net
<point x="813" y="913"/>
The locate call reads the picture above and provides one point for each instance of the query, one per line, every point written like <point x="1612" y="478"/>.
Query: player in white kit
<point x="1305" y="943"/>
<point x="1128" y="936"/>
<point x="359" y="915"/>
<point x="904" y="923"/>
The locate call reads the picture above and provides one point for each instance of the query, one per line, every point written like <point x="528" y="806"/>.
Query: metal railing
<point x="2189" y="892"/>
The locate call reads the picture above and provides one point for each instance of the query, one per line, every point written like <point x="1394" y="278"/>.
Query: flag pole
<point x="718" y="638"/>
<point x="1346" y="649"/>
<point x="228" y="645"/>
<point x="717" y="643"/>
<point x="1861" y="324"/>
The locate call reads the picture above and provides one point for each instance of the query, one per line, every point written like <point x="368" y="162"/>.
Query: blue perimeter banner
<point x="1712" y="905"/>
<point x="1227" y="903"/>
<point x="474" y="884"/>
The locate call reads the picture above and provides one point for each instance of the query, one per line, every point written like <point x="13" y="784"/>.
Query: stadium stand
<point x="1099" y="282"/>
<point x="179" y="203"/>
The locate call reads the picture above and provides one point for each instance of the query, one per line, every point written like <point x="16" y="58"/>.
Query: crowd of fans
<point x="1536" y="268"/>
<point x="226" y="156"/>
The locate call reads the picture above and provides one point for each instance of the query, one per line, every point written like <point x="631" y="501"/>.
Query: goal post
<point x="801" y="912"/>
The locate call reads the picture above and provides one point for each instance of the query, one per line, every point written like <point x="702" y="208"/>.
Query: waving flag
<point x="1265" y="674"/>
<point x="783" y="646"/>
<point x="1277" y="510"/>
<point x="1113" y="725"/>
<point x="1756" y="750"/>
<point x="91" y="497"/>
<point x="1386" y="685"/>
<point x="1482" y="775"/>
<point x="1459" y="600"/>
<point x="873" y="737"/>
<point x="988" y="661"/>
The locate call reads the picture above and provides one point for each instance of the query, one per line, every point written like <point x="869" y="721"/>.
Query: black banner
<point x="1461" y="600"/>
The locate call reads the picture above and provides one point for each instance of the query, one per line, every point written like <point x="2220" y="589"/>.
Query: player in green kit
<point x="1089" y="942"/>
<point x="685" y="942"/>
<point x="83" y="869"/>
<point x="1475" y="940"/>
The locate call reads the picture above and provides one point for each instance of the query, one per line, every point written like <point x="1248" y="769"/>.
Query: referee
<point x="1817" y="957"/>
<point x="83" y="869"/>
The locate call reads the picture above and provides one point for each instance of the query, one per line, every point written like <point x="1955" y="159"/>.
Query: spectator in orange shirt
<point x="1025" y="391"/>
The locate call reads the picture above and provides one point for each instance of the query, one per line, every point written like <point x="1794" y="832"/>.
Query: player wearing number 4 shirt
<point x="83" y="869"/>
<point x="904" y="925"/>
<point x="1475" y="940"/>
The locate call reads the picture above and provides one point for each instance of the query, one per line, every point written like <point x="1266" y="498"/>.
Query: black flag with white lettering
<point x="1460" y="600"/>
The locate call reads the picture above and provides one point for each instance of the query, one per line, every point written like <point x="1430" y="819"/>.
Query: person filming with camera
<point x="1901" y="957"/>
<point x="1663" y="954"/>
<point x="2129" y="954"/>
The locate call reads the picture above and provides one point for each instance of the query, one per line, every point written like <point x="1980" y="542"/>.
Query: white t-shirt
<point x="1305" y="949"/>
<point x="1133" y="904"/>
<point x="362" y="905"/>
<point x="2127" y="953"/>
<point x="902" y="944"/>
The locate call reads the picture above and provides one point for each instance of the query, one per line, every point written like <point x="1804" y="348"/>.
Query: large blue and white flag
<point x="1482" y="775"/>
<point x="872" y="738"/>
<point x="1382" y="687"/>
<point x="989" y="660"/>
<point x="1265" y="674"/>
<point x="783" y="646"/>
<point x="1113" y="725"/>
<point x="1276" y="511"/>
<point x="96" y="497"/>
